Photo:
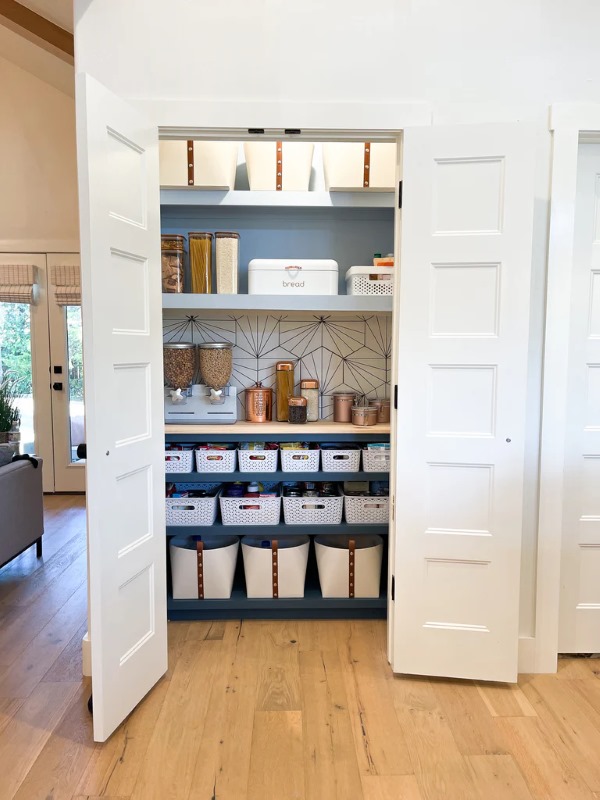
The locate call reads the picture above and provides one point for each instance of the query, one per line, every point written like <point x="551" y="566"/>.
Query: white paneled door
<point x="120" y="258"/>
<point x="462" y="354"/>
<point x="579" y="627"/>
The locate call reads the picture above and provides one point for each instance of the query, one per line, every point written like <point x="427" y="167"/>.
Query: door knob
<point x="57" y="387"/>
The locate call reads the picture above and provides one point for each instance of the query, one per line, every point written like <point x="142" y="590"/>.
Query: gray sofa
<point x="21" y="509"/>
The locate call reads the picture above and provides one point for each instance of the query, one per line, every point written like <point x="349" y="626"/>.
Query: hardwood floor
<point x="271" y="710"/>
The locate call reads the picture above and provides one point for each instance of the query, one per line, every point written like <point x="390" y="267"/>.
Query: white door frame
<point x="570" y="123"/>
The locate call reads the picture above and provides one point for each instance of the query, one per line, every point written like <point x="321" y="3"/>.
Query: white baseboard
<point x="527" y="654"/>
<point x="86" y="650"/>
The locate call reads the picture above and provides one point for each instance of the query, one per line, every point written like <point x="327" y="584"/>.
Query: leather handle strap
<point x="367" y="165"/>
<point x="190" y="162"/>
<point x="351" y="566"/>
<point x="200" y="563"/>
<point x="275" y="567"/>
<point x="279" y="166"/>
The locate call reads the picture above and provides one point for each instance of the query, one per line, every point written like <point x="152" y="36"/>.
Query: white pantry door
<point x="579" y="626"/>
<point x="462" y="355"/>
<point x="122" y="315"/>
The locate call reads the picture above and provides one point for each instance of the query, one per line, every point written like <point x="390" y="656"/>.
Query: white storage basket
<point x="252" y="510"/>
<point x="192" y="510"/>
<point x="313" y="510"/>
<point x="340" y="460"/>
<point x="275" y="567"/>
<point x="376" y="460"/>
<point x="367" y="510"/>
<point x="370" y="281"/>
<point x="265" y="172"/>
<point x="346" y="164"/>
<point x="179" y="460"/>
<point x="349" y="566"/>
<point x="208" y="165"/>
<point x="215" y="460"/>
<point x="300" y="460"/>
<point x="203" y="567"/>
<point x="257" y="460"/>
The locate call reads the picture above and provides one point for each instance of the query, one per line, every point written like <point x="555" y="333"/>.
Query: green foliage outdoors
<point x="9" y="413"/>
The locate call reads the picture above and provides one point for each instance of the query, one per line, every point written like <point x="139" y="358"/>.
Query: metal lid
<point x="284" y="365"/>
<point x="258" y="387"/>
<point x="345" y="395"/>
<point x="309" y="383"/>
<point x="297" y="401"/>
<point x="178" y="345"/>
<point x="215" y="346"/>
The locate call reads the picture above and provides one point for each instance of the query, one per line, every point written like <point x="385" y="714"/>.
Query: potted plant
<point x="10" y="416"/>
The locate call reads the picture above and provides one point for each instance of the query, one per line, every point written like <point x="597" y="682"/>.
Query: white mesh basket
<point x="215" y="460"/>
<point x="376" y="460"/>
<point x="367" y="510"/>
<point x="252" y="510"/>
<point x="370" y="280"/>
<point x="192" y="510"/>
<point x="257" y="460"/>
<point x="313" y="510"/>
<point x="340" y="460"/>
<point x="300" y="460"/>
<point x="179" y="460"/>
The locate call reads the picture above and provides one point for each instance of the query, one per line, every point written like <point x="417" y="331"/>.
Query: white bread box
<point x="292" y="276"/>
<point x="283" y="166"/>
<point x="353" y="166"/>
<point x="207" y="165"/>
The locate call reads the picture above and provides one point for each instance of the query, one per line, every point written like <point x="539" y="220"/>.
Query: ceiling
<point x="60" y="12"/>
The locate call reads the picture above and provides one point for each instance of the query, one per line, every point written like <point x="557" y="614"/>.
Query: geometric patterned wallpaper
<point x="350" y="353"/>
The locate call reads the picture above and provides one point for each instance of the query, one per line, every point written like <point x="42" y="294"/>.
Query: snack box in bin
<point x="293" y="276"/>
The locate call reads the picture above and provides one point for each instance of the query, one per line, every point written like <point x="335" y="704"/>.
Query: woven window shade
<point x="66" y="280"/>
<point x="16" y="283"/>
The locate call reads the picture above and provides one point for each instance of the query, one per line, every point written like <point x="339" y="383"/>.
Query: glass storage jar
<point x="309" y="388"/>
<point x="179" y="361"/>
<point x="171" y="256"/>
<point x="227" y="249"/>
<point x="216" y="363"/>
<point x="201" y="262"/>
<point x="284" y="384"/>
<point x="297" y="410"/>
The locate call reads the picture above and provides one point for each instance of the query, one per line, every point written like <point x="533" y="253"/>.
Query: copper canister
<point x="383" y="409"/>
<point x="259" y="403"/>
<point x="342" y="406"/>
<point x="364" y="415"/>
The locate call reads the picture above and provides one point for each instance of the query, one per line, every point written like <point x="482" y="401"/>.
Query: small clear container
<point x="201" y="262"/>
<point x="309" y="388"/>
<point x="227" y="252"/>
<point x="297" y="410"/>
<point x="171" y="253"/>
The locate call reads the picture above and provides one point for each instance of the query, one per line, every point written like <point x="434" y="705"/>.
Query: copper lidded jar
<point x="342" y="406"/>
<point x="297" y="410"/>
<point x="383" y="409"/>
<point x="284" y="378"/>
<point x="309" y="388"/>
<point x="259" y="403"/>
<point x="364" y="415"/>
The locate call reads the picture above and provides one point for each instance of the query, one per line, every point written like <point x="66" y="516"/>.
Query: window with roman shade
<point x="66" y="280"/>
<point x="16" y="283"/>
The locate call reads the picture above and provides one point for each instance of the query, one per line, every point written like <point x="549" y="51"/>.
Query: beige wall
<point x="38" y="177"/>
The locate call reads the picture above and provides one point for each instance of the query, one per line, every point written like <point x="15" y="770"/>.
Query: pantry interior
<point x="333" y="199"/>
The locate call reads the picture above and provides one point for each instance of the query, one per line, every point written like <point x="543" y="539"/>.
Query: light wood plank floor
<point x="271" y="710"/>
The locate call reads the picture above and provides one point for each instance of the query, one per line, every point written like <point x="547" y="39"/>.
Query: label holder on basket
<point x="275" y="567"/>
<point x="200" y="563"/>
<point x="351" y="566"/>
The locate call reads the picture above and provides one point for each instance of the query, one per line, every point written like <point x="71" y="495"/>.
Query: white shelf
<point x="202" y="197"/>
<point x="371" y="304"/>
<point x="323" y="427"/>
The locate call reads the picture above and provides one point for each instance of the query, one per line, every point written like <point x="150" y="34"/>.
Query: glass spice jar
<point x="284" y="384"/>
<point x="171" y="258"/>
<point x="227" y="248"/>
<point x="309" y="388"/>
<point x="297" y="410"/>
<point x="201" y="262"/>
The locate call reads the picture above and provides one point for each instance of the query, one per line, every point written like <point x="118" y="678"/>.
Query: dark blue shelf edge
<point x="292" y="436"/>
<point x="218" y="529"/>
<point x="231" y="477"/>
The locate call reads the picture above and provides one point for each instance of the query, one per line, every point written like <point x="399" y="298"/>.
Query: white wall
<point x="244" y="63"/>
<point x="38" y="168"/>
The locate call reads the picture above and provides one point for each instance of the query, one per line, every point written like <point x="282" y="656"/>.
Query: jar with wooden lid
<point x="342" y="406"/>
<point x="297" y="410"/>
<point x="201" y="262"/>
<point x="284" y="385"/>
<point x="227" y="249"/>
<point x="309" y="388"/>
<point x="171" y="258"/>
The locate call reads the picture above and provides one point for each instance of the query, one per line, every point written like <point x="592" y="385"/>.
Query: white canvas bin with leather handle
<point x="275" y="567"/>
<point x="349" y="566"/>
<point x="203" y="567"/>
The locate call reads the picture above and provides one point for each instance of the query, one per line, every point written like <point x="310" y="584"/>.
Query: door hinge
<point x="393" y="588"/>
<point x="396" y="396"/>
<point x="399" y="194"/>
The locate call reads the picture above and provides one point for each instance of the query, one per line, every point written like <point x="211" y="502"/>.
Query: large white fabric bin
<point x="354" y="166"/>
<point x="275" y="567"/>
<point x="271" y="169"/>
<point x="338" y="576"/>
<point x="216" y="565"/>
<point x="208" y="165"/>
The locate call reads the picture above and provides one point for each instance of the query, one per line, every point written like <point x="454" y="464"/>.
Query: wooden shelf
<point x="339" y="303"/>
<point x="339" y="199"/>
<point x="218" y="529"/>
<point x="232" y="477"/>
<point x="276" y="430"/>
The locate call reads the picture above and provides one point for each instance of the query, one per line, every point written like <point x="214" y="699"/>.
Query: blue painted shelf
<point x="218" y="529"/>
<point x="232" y="477"/>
